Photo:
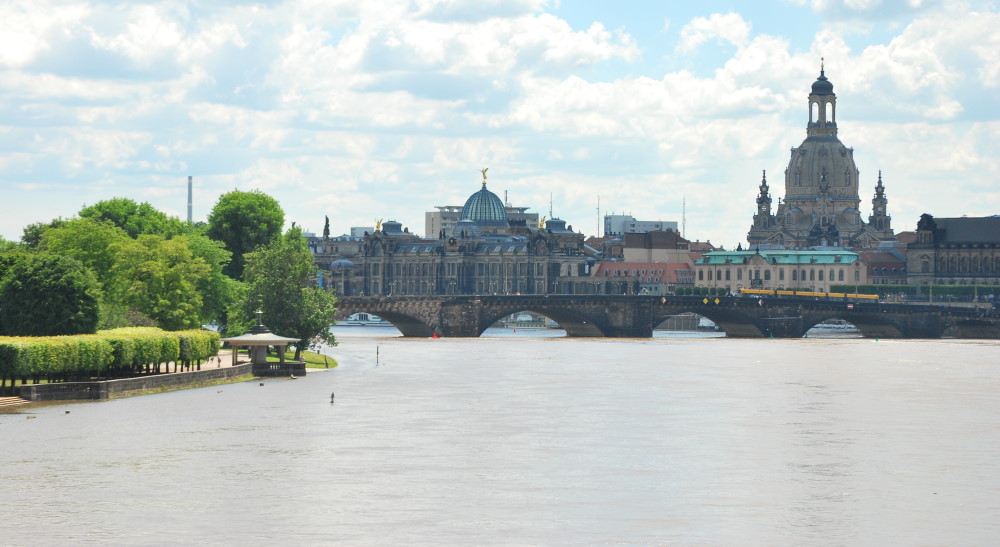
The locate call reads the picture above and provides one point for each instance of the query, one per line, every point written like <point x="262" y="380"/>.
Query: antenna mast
<point x="189" y="199"/>
<point x="684" y="222"/>
<point x="598" y="232"/>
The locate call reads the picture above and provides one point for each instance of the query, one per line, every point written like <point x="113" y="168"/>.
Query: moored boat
<point x="362" y="319"/>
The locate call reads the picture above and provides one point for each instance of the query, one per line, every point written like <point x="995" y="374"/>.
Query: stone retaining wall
<point x="109" y="389"/>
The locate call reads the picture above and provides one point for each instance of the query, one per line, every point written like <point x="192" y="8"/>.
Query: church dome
<point x="485" y="209"/>
<point x="822" y="86"/>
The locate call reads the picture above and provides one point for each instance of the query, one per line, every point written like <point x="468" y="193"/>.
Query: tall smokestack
<point x="189" y="199"/>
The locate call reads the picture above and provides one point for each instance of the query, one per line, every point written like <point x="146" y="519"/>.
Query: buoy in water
<point x="331" y="396"/>
<point x="262" y="384"/>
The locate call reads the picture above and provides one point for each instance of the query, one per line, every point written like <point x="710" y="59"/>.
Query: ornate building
<point x="815" y="270"/>
<point x="955" y="251"/>
<point x="483" y="253"/>
<point x="821" y="205"/>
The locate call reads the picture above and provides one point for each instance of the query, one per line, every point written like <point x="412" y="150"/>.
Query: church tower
<point x="880" y="221"/>
<point x="763" y="218"/>
<point x="821" y="206"/>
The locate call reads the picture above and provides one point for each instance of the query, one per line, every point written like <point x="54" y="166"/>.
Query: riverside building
<point x="483" y="252"/>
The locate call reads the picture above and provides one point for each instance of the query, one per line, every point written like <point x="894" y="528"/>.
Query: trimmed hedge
<point x="117" y="351"/>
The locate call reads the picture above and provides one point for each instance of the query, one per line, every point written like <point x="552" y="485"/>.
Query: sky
<point x="382" y="110"/>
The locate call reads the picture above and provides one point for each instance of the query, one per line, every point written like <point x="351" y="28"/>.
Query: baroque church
<point x="821" y="207"/>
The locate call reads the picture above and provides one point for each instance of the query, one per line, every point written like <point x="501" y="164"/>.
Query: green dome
<point x="485" y="209"/>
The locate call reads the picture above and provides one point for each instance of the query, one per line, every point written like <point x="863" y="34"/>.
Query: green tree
<point x="159" y="278"/>
<point x="89" y="241"/>
<point x="243" y="221"/>
<point x="281" y="281"/>
<point x="33" y="232"/>
<point x="135" y="218"/>
<point x="46" y="295"/>
<point x="218" y="290"/>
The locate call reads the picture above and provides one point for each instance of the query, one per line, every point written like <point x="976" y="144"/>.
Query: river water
<point x="516" y="439"/>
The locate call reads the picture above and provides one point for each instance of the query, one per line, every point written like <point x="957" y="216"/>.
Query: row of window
<point x="965" y="264"/>
<point x="635" y="272"/>
<point x="886" y="271"/>
<point x="452" y="269"/>
<point x="797" y="275"/>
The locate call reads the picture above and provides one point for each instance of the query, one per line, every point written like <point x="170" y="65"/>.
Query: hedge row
<point x="123" y="349"/>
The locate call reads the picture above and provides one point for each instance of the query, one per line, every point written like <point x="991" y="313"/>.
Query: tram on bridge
<point x="836" y="296"/>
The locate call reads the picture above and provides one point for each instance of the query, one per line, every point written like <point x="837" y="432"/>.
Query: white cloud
<point x="385" y="109"/>
<point x="729" y="27"/>
<point x="26" y="26"/>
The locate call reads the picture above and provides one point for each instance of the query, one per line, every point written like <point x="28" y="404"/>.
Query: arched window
<point x="795" y="275"/>
<point x="821" y="275"/>
<point x="767" y="275"/>
<point x="840" y="275"/>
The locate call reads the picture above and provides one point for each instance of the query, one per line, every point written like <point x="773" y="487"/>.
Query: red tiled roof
<point x="672" y="271"/>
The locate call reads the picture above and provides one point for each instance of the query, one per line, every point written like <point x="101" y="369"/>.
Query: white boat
<point x="524" y="321"/>
<point x="364" y="320"/>
<point x="835" y="325"/>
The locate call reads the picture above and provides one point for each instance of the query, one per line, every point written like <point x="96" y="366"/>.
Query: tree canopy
<point x="281" y="281"/>
<point x="174" y="283"/>
<point x="159" y="278"/>
<point x="135" y="218"/>
<point x="243" y="221"/>
<point x="45" y="295"/>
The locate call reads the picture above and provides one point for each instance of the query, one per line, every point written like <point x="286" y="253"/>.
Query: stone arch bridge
<point x="624" y="316"/>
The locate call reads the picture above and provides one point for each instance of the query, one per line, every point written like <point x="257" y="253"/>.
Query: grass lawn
<point x="312" y="359"/>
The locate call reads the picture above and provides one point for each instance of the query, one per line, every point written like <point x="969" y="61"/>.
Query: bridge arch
<point x="407" y="324"/>
<point x="575" y="323"/>
<point x="730" y="321"/>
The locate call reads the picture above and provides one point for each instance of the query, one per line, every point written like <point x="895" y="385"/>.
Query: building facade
<point x="616" y="225"/>
<point x="811" y="270"/>
<point x="955" y="251"/>
<point x="821" y="206"/>
<point x="483" y="252"/>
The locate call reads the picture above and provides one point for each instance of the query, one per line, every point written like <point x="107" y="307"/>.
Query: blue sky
<point x="383" y="110"/>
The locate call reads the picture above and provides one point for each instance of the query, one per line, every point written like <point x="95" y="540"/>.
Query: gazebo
<point x="256" y="340"/>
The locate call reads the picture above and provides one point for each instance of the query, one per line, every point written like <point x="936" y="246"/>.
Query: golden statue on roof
<point x="483" y="171"/>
